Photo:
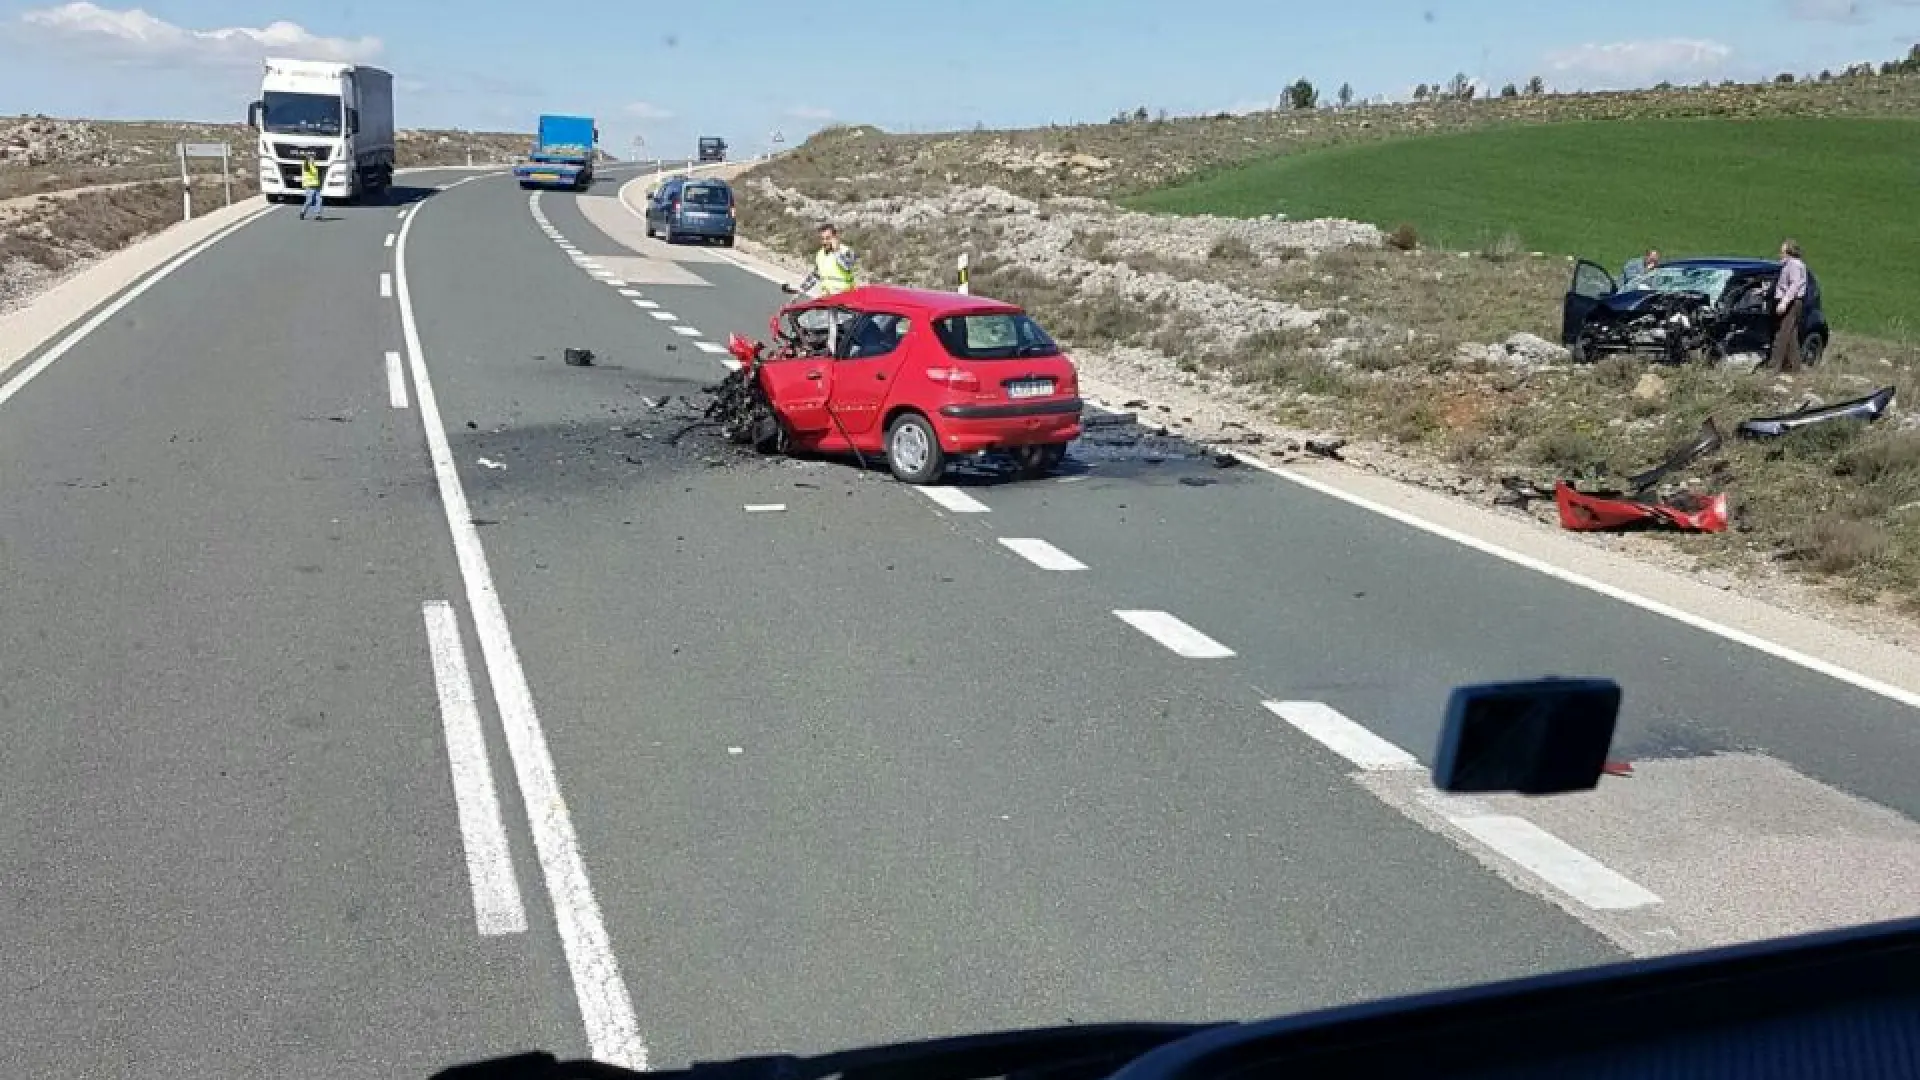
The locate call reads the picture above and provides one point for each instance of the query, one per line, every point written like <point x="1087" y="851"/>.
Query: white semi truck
<point x="340" y="115"/>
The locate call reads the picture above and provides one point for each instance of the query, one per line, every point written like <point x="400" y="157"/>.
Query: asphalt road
<point x="843" y="771"/>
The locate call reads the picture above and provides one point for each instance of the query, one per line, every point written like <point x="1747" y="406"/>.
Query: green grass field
<point x="1847" y="189"/>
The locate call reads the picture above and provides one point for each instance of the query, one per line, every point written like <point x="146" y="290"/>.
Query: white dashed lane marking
<point x="1041" y="554"/>
<point x="1330" y="729"/>
<point x="1555" y="861"/>
<point x="953" y="499"/>
<point x="686" y="331"/>
<point x="710" y="346"/>
<point x="665" y="316"/>
<point x="634" y="293"/>
<point x="386" y="285"/>
<point x="389" y="242"/>
<point x="396" y="382"/>
<point x="1181" y="639"/>
<point x="648" y="304"/>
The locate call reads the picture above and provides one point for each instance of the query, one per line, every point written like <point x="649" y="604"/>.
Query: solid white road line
<point x="1686" y="618"/>
<point x="386" y="286"/>
<point x="664" y="316"/>
<point x="1182" y="639"/>
<point x="389" y="242"/>
<point x="1556" y="862"/>
<point x="65" y="345"/>
<point x="1329" y="728"/>
<point x="953" y="499"/>
<point x="496" y="895"/>
<point x="710" y="346"/>
<point x="686" y="331"/>
<point x="1041" y="554"/>
<point x="396" y="382"/>
<point x="606" y="1008"/>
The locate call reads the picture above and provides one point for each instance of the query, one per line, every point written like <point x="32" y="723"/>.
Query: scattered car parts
<point x="1583" y="511"/>
<point x="1708" y="441"/>
<point x="1867" y="408"/>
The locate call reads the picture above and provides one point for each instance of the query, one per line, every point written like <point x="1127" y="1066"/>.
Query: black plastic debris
<point x="578" y="357"/>
<point x="1868" y="408"/>
<point x="1198" y="481"/>
<point x="1706" y="442"/>
<point x="1225" y="461"/>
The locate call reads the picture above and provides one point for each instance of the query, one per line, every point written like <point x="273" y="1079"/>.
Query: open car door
<point x="1591" y="284"/>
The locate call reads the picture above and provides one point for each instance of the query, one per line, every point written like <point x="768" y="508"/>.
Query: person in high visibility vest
<point x="310" y="182"/>
<point x="833" y="263"/>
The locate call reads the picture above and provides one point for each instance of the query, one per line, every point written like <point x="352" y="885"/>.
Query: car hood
<point x="1629" y="301"/>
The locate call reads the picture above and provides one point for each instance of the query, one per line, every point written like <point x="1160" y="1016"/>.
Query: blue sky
<point x="670" y="71"/>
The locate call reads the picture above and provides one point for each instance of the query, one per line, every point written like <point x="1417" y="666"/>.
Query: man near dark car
<point x="1789" y="294"/>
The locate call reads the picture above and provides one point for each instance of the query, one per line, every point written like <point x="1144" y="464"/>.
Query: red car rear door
<point x="870" y="355"/>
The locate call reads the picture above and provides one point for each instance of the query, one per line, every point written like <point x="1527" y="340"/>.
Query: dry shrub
<point x="1404" y="237"/>
<point x="1232" y="249"/>
<point x="1836" y="545"/>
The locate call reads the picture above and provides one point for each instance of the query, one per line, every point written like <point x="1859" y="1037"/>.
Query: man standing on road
<point x="1789" y="293"/>
<point x="310" y="183"/>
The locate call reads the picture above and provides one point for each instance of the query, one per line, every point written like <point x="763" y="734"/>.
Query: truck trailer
<point x="713" y="148"/>
<point x="338" y="115"/>
<point x="563" y="154"/>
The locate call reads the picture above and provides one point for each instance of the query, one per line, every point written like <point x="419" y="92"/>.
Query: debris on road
<point x="1198" y="481"/>
<point x="1326" y="448"/>
<point x="578" y="357"/>
<point x="1868" y="408"/>
<point x="489" y="463"/>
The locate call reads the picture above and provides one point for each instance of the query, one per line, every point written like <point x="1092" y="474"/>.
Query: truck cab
<point x="340" y="116"/>
<point x="713" y="148"/>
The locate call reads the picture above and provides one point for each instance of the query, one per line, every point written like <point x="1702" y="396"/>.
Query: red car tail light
<point x="955" y="378"/>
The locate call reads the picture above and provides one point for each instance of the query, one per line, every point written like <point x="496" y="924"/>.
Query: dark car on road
<point x="1719" y="306"/>
<point x="691" y="207"/>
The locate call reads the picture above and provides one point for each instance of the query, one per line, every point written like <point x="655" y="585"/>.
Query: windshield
<point x="1708" y="281"/>
<point x="300" y="114"/>
<point x="993" y="337"/>
<point x="707" y="195"/>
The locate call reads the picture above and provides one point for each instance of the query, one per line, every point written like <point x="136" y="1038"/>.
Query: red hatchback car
<point x="918" y="377"/>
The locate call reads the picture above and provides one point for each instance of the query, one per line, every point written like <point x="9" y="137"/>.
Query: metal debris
<point x="578" y="357"/>
<point x="1868" y="408"/>
<point x="489" y="463"/>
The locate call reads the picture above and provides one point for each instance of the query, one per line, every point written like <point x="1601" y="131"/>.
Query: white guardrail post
<point x="962" y="290"/>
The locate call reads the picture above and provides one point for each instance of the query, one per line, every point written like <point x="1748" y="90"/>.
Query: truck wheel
<point x="913" y="450"/>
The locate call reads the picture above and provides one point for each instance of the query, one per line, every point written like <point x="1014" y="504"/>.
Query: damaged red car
<point x="914" y="376"/>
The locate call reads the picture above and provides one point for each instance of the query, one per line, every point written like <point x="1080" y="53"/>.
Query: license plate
<point x="1026" y="388"/>
<point x="546" y="176"/>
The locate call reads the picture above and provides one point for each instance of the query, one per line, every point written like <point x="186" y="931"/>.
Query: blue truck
<point x="563" y="154"/>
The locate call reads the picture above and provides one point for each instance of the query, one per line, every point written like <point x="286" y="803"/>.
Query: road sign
<point x="189" y="150"/>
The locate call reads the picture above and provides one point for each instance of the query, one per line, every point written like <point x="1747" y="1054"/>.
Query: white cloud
<point x="809" y="112"/>
<point x="134" y="36"/>
<point x="645" y="110"/>
<point x="1623" y="64"/>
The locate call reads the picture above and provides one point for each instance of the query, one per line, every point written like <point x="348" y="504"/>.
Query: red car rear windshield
<point x="993" y="337"/>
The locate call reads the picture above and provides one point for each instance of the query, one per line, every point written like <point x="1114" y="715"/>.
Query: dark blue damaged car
<point x="1714" y="307"/>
